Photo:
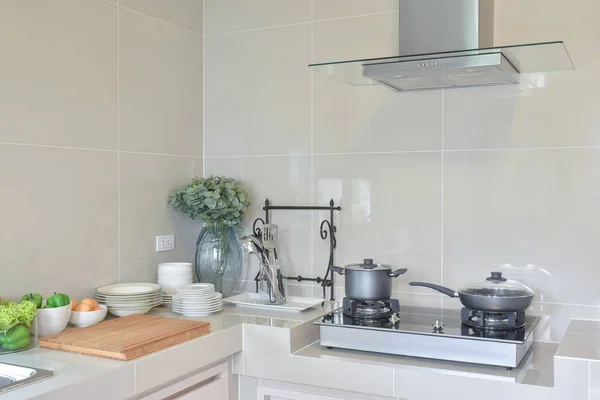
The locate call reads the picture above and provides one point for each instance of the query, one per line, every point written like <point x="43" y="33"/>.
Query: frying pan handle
<point x="398" y="272"/>
<point x="441" y="289"/>
<point x="339" y="270"/>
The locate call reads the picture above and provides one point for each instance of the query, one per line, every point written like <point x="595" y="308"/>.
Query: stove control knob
<point x="438" y="326"/>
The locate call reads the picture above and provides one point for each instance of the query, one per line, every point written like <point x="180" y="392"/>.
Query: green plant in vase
<point x="219" y="202"/>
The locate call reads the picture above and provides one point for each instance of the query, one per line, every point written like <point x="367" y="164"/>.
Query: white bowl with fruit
<point x="87" y="313"/>
<point x="54" y="316"/>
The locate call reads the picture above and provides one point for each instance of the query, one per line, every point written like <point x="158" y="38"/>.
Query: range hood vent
<point x="459" y="23"/>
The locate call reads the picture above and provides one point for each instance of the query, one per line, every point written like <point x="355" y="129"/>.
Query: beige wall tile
<point x="526" y="214"/>
<point x="356" y="38"/>
<point x="238" y="15"/>
<point x="391" y="211"/>
<point x="374" y="118"/>
<point x="325" y="9"/>
<point x="285" y="181"/>
<point x="59" y="73"/>
<point x="160" y="87"/>
<point x="258" y="92"/>
<point x="186" y="14"/>
<point x="145" y="181"/>
<point x="545" y="110"/>
<point x="574" y="22"/>
<point x="59" y="218"/>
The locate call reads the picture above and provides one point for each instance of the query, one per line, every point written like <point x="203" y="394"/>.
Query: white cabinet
<point x="211" y="384"/>
<point x="265" y="393"/>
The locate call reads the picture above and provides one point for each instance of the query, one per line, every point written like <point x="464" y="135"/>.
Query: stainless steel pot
<point x="495" y="294"/>
<point x="368" y="281"/>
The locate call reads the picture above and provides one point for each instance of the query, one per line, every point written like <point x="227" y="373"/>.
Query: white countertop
<point x="70" y="369"/>
<point x="294" y="340"/>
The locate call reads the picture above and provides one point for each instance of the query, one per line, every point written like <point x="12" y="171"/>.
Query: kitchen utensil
<point x="368" y="281"/>
<point x="86" y="318"/>
<point x="53" y="320"/>
<point x="127" y="338"/>
<point x="495" y="294"/>
<point x="274" y="275"/>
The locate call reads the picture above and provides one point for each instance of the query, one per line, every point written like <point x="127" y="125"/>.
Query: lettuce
<point x="12" y="314"/>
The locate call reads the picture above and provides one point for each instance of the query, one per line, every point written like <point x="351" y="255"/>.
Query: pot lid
<point x="496" y="285"/>
<point x="369" y="265"/>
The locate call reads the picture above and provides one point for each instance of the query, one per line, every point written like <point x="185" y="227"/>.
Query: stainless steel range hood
<point x="449" y="44"/>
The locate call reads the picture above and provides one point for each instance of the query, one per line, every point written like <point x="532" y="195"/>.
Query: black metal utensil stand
<point x="327" y="231"/>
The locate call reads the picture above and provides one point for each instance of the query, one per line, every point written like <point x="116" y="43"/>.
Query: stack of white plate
<point x="130" y="298"/>
<point x="174" y="275"/>
<point x="167" y="300"/>
<point x="197" y="300"/>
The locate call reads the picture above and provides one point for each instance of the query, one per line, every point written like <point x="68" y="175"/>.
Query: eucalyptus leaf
<point x="214" y="200"/>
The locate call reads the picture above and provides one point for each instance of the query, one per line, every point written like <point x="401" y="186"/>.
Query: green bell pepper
<point x="58" y="300"/>
<point x="16" y="338"/>
<point x="35" y="298"/>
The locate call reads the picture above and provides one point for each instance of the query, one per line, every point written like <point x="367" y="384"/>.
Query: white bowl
<point x="87" y="318"/>
<point x="172" y="283"/>
<point x="175" y="268"/>
<point x="53" y="320"/>
<point x="188" y="277"/>
<point x="124" y="312"/>
<point x="128" y="289"/>
<point x="175" y="273"/>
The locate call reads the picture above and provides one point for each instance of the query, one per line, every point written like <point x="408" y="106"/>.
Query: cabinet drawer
<point x="266" y="393"/>
<point x="211" y="384"/>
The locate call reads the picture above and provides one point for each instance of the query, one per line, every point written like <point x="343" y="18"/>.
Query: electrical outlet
<point x="165" y="243"/>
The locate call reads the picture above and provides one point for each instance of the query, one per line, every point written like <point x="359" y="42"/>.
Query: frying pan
<point x="496" y="294"/>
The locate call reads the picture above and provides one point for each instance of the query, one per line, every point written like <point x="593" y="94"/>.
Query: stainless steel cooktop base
<point x="412" y="340"/>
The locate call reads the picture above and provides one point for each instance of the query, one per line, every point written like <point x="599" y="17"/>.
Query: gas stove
<point x="499" y="339"/>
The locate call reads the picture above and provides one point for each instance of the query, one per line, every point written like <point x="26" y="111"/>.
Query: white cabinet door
<point x="265" y="393"/>
<point x="211" y="384"/>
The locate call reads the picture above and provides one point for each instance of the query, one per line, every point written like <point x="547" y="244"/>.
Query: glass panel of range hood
<point x="524" y="58"/>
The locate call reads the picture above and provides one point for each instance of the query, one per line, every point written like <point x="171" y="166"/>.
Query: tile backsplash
<point x="100" y="115"/>
<point x="106" y="105"/>
<point x="451" y="184"/>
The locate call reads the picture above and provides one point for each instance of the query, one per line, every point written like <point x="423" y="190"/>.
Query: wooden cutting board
<point x="126" y="338"/>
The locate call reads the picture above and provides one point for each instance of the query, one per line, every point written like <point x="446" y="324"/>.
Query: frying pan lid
<point x="497" y="286"/>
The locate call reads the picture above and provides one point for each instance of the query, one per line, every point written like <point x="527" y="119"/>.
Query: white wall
<point x="100" y="115"/>
<point x="451" y="184"/>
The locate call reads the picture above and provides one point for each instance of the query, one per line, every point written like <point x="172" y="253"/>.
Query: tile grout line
<point x="119" y="142"/>
<point x="159" y="20"/>
<point x="156" y="154"/>
<point x="442" y="207"/>
<point x="312" y="147"/>
<point x="258" y="29"/>
<point x="203" y="88"/>
<point x="93" y="149"/>
<point x="297" y="23"/>
<point x="412" y="151"/>
<point x="57" y="147"/>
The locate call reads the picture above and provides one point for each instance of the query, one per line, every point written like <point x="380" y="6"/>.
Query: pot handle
<point x="441" y="289"/>
<point x="339" y="270"/>
<point x="397" y="272"/>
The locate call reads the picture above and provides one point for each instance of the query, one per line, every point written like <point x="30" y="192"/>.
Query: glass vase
<point x="219" y="258"/>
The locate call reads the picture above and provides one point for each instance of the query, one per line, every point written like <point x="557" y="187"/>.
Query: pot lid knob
<point x="368" y="263"/>
<point x="496" y="276"/>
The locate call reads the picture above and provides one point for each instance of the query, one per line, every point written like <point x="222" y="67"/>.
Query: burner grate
<point x="493" y="321"/>
<point x="370" y="310"/>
